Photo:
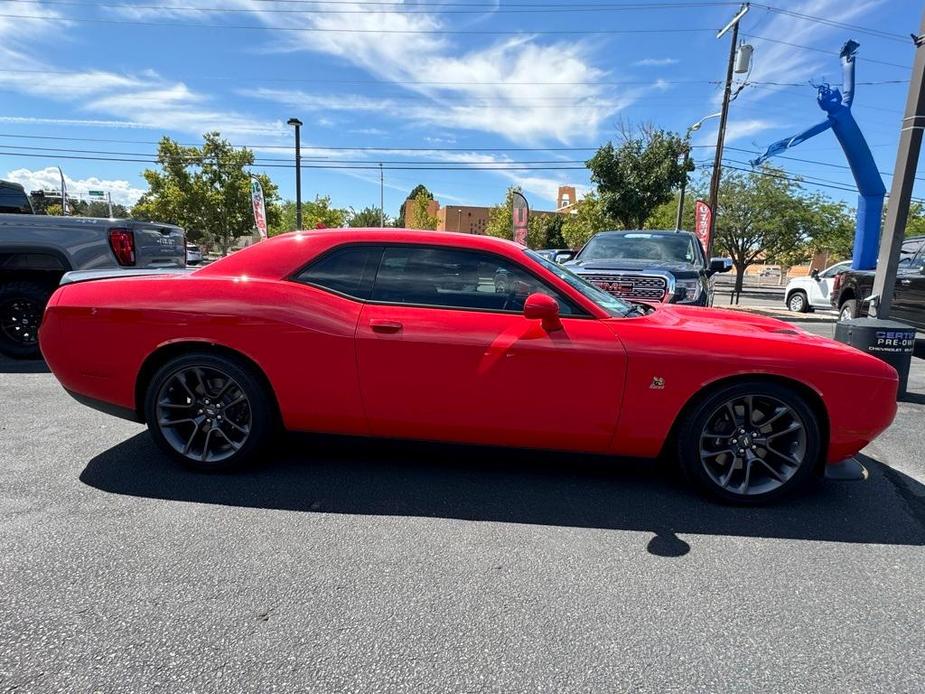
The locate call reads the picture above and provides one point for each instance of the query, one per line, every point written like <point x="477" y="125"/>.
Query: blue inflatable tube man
<point x="837" y="105"/>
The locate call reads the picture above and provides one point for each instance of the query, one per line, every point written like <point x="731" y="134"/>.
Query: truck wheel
<point x="21" y="308"/>
<point x="798" y="302"/>
<point x="848" y="310"/>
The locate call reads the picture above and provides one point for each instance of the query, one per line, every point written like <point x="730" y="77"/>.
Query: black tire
<point x="21" y="307"/>
<point x="798" y="302"/>
<point x="767" y="400"/>
<point x="848" y="310"/>
<point x="162" y="396"/>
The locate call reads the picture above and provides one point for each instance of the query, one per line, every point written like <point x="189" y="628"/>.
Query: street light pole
<point x="687" y="158"/>
<point x="381" y="197"/>
<point x="907" y="159"/>
<point x="724" y="113"/>
<point x="297" y="124"/>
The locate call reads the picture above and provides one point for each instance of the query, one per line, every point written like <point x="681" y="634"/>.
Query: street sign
<point x="97" y="193"/>
<point x="260" y="212"/>
<point x="520" y="214"/>
<point x="703" y="215"/>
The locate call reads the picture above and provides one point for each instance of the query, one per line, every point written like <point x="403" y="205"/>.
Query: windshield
<point x="641" y="246"/>
<point x="612" y="305"/>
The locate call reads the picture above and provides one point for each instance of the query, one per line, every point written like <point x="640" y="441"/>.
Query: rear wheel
<point x="21" y="308"/>
<point x="848" y="310"/>
<point x="798" y="302"/>
<point x="208" y="411"/>
<point x="750" y="443"/>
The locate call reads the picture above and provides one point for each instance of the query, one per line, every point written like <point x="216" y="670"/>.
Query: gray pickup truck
<point x="36" y="250"/>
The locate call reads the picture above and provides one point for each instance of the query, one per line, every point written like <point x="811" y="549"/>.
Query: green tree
<point x="368" y="217"/>
<point x="590" y="217"/>
<point x="665" y="215"/>
<point x="501" y="222"/>
<point x="832" y="226"/>
<point x="98" y="208"/>
<point x="206" y="190"/>
<point x="417" y="215"/>
<point x="761" y="215"/>
<point x="418" y="190"/>
<point x="315" y="213"/>
<point x="641" y="173"/>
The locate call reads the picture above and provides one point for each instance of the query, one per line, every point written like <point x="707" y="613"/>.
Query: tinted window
<point x="641" y="246"/>
<point x="909" y="249"/>
<point x="348" y="270"/>
<point x="457" y="278"/>
<point x="14" y="200"/>
<point x="835" y="269"/>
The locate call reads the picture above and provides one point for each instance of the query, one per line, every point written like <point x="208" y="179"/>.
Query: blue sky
<point x="456" y="80"/>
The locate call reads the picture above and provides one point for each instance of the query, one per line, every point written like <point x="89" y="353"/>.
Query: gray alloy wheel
<point x="212" y="412"/>
<point x="752" y="444"/>
<point x="848" y="310"/>
<point x="203" y="413"/>
<point x="21" y="307"/>
<point x="798" y="302"/>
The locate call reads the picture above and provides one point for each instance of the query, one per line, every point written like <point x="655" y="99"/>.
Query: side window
<point x="909" y="251"/>
<point x="834" y="270"/>
<point x="918" y="262"/>
<point x="347" y="270"/>
<point x="455" y="278"/>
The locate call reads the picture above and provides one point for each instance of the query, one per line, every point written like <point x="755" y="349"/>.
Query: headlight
<point x="687" y="291"/>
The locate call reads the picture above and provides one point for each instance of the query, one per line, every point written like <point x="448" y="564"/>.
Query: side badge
<point x="658" y="383"/>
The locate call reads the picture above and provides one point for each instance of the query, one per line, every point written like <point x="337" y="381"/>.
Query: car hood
<point x="632" y="265"/>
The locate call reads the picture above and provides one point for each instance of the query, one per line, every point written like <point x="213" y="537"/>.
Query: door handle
<point x="905" y="281"/>
<point x="385" y="326"/>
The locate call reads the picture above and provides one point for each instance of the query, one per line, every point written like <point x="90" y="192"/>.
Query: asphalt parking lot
<point x="373" y="566"/>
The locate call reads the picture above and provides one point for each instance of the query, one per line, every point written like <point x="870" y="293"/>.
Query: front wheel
<point x="798" y="303"/>
<point x="208" y="411"/>
<point x="21" y="307"/>
<point x="750" y="443"/>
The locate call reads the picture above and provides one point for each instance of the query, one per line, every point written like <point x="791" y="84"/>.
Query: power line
<point x="822" y="50"/>
<point x="326" y="30"/>
<point x="833" y="23"/>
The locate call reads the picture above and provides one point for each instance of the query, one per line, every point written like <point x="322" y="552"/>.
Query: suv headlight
<point x="687" y="291"/>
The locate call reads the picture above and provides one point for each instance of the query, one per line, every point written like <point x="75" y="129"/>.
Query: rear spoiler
<point x="88" y="275"/>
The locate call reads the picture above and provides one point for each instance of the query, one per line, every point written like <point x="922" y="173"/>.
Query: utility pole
<point x="724" y="113"/>
<point x="381" y="196"/>
<point x="907" y="159"/>
<point x="109" y="198"/>
<point x="296" y="123"/>
<point x="63" y="193"/>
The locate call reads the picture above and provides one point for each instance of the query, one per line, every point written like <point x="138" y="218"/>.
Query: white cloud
<point x="48" y="178"/>
<point x="656" y="62"/>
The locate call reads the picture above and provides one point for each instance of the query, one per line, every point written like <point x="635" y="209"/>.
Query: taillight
<point x="836" y="283"/>
<point x="122" y="242"/>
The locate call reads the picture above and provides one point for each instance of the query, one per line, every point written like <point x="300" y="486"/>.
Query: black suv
<point x="650" y="266"/>
<point x="852" y="288"/>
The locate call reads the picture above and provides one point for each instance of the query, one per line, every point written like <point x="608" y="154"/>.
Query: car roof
<point x="653" y="232"/>
<point x="280" y="255"/>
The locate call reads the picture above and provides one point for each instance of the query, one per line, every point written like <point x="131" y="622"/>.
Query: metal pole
<point x="298" y="171"/>
<point x="109" y="197"/>
<point x="63" y="194"/>
<point x="677" y="221"/>
<point x="381" y="196"/>
<point x="721" y="135"/>
<point x="907" y="159"/>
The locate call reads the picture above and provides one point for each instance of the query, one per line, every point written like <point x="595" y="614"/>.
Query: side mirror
<point x="564" y="256"/>
<point x="543" y="307"/>
<point x="720" y="265"/>
<point x="814" y="274"/>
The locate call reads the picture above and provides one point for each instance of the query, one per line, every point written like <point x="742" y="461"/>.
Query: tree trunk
<point x="740" y="277"/>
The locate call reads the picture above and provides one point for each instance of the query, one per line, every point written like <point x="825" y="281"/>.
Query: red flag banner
<point x="703" y="216"/>
<point x="520" y="212"/>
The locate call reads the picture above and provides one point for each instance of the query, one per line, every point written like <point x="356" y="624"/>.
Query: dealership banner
<point x="703" y="216"/>
<point x="260" y="210"/>
<point x="520" y="214"/>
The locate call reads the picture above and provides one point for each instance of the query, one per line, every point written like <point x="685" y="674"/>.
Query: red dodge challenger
<point x="452" y="337"/>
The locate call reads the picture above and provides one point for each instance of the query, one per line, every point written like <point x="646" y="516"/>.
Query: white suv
<point x="805" y="293"/>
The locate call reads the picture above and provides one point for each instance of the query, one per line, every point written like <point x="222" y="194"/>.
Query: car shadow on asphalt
<point x="23" y="366"/>
<point x="314" y="474"/>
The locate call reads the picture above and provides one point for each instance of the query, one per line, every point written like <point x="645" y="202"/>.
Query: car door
<point x="909" y="292"/>
<point x="822" y="285"/>
<point x="445" y="353"/>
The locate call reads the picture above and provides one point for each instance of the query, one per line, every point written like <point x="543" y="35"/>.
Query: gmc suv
<point x="649" y="266"/>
